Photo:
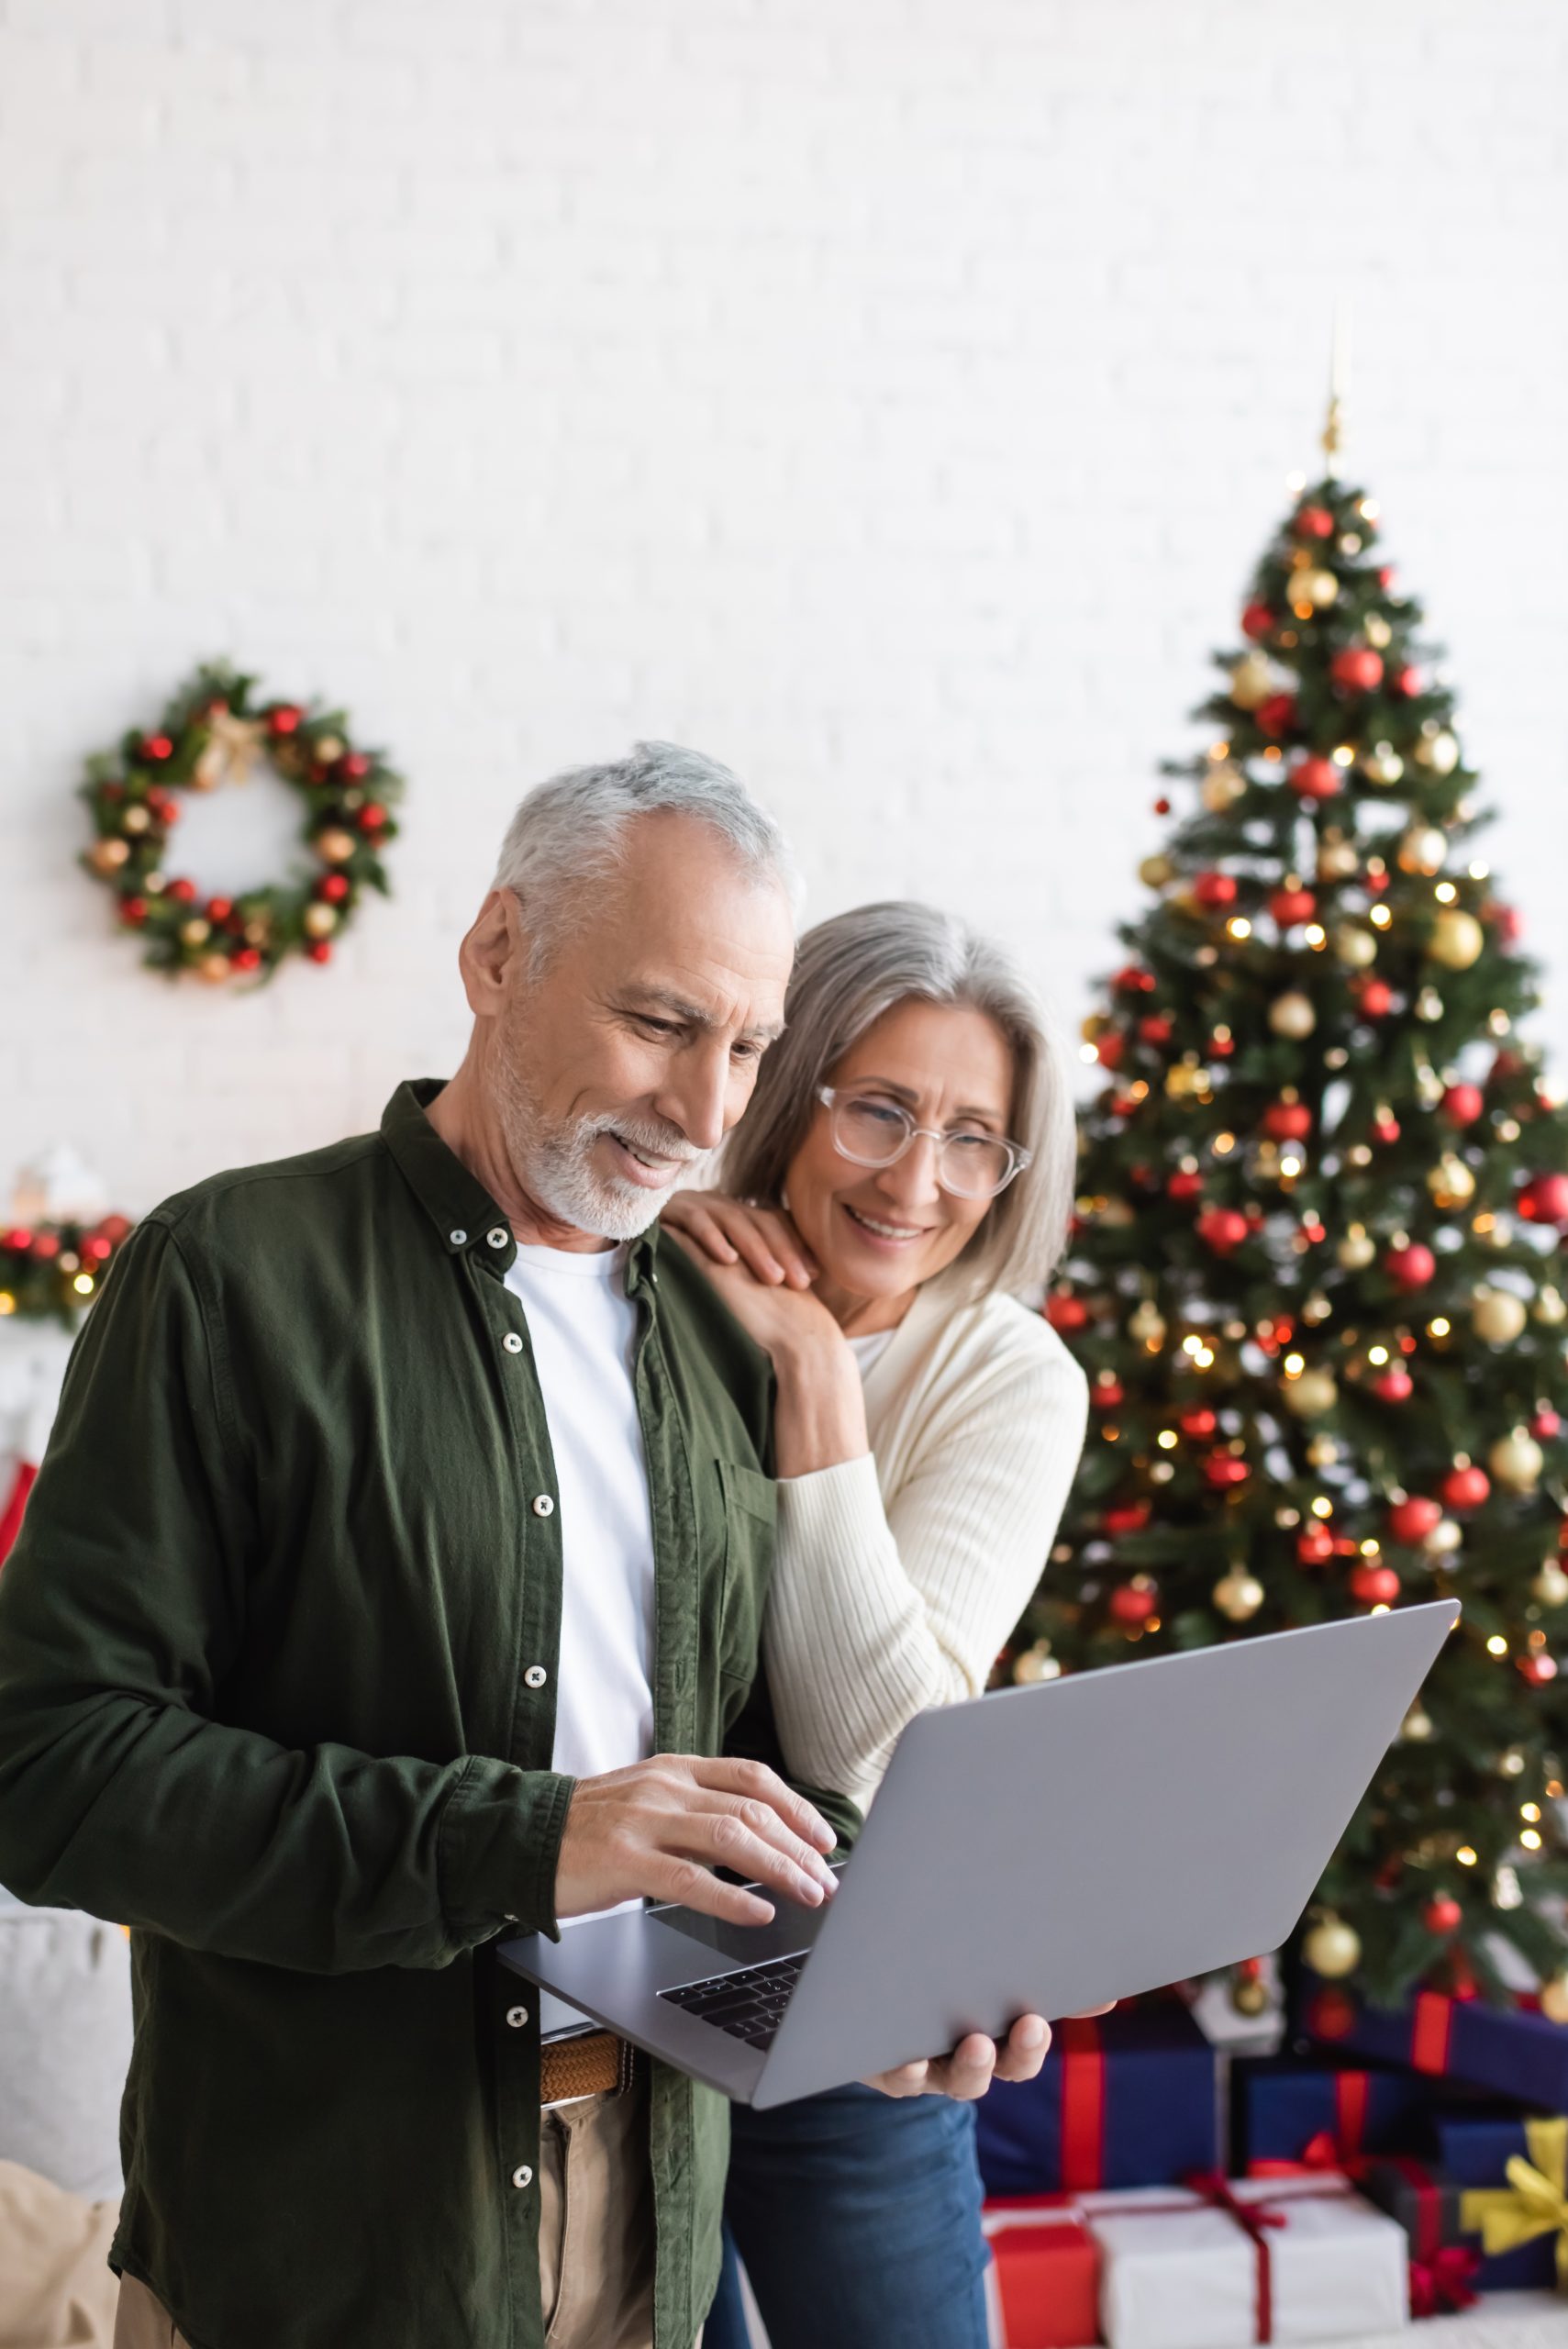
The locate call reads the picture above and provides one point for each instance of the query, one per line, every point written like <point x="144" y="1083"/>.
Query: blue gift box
<point x="1282" y="2105"/>
<point x="1130" y="2098"/>
<point x="1513" y="2051"/>
<point x="1476" y="2150"/>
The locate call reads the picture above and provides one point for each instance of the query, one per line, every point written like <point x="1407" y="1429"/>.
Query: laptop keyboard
<point x="748" y="2005"/>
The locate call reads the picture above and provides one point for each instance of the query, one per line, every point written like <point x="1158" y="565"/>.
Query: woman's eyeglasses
<point x="871" y="1130"/>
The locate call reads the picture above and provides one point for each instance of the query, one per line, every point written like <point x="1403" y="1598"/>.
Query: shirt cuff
<point x="841" y="1505"/>
<point x="499" y="1845"/>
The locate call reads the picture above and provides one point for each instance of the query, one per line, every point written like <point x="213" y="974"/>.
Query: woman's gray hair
<point x="849" y="972"/>
<point x="569" y="834"/>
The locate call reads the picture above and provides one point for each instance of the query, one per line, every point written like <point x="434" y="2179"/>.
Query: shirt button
<point x="516" y="2016"/>
<point x="512" y="1342"/>
<point x="522" y="2175"/>
<point x="543" y="1505"/>
<point x="499" y="1237"/>
<point x="535" y="1676"/>
<point x="457" y="1238"/>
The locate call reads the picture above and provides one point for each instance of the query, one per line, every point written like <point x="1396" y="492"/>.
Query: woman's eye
<point x="879" y="1113"/>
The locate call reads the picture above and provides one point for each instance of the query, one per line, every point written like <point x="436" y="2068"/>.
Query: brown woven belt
<point x="594" y="2063"/>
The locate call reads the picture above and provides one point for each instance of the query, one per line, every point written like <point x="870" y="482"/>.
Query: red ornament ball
<point x="1199" y="1421"/>
<point x="1224" y="1470"/>
<point x="1289" y="906"/>
<point x="1287" y="1120"/>
<point x="1107" y="1393"/>
<point x="1385" y="577"/>
<point x="1442" y="1913"/>
<point x="219" y="908"/>
<point x="1109" y="1048"/>
<point x="1374" y="1585"/>
<point x="1509" y="923"/>
<point x="134" y="911"/>
<point x="157" y="746"/>
<point x="1183" y="1182"/>
<point x="1275" y="713"/>
<point x="1546" y="1424"/>
<point x="1462" y="1104"/>
<point x="1221" y="1228"/>
<point x="1154" y="1028"/>
<point x="1538" y="1669"/>
<point x="373" y="816"/>
<point x="1408" y="681"/>
<point x="46" y="1244"/>
<point x="1133" y="979"/>
<point x="1256" y="621"/>
<point x="1314" y="522"/>
<point x="319" y="950"/>
<point x="284" y="719"/>
<point x="333" y="887"/>
<point x="1214" y="889"/>
<point x="1385" y="1129"/>
<point x="1465" y="1487"/>
<point x="354" y="766"/>
<point x="1376" y="998"/>
<point x="1125" y="1517"/>
<point x="1411" y="1520"/>
<point x="183" y="892"/>
<point x="1316" y="778"/>
<point x="1132" y="1602"/>
<point x="1331" y="2015"/>
<point x="1545" y="1199"/>
<point x="1314" y="1545"/>
<point x="1412" y="1266"/>
<point x="246" y="958"/>
<point x="1393" y="1385"/>
<point x="1066" y="1312"/>
<point x="1161" y="806"/>
<point x="1358" y="667"/>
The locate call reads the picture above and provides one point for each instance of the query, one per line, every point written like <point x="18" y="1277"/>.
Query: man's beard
<point x="554" y="1160"/>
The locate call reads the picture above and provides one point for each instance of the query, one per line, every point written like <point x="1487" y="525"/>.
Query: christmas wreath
<point x="50" y="1272"/>
<point x="214" y="730"/>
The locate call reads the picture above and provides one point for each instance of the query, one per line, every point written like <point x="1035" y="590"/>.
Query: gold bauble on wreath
<point x="1292" y="1014"/>
<point x="1457" y="939"/>
<point x="1516" y="1460"/>
<point x="1332" y="1949"/>
<point x="1497" y="1316"/>
<point x="1238" y="1595"/>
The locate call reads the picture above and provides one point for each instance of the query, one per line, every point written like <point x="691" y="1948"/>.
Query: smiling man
<point x="394" y="1580"/>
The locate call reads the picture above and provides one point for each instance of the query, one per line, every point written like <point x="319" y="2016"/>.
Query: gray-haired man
<point x="394" y="1578"/>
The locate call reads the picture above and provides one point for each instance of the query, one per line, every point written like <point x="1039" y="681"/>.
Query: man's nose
<point x="695" y="1096"/>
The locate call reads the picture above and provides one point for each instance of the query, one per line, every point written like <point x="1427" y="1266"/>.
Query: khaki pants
<point x="596" y="2234"/>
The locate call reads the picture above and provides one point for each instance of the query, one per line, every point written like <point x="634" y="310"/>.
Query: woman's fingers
<point x="690" y="1221"/>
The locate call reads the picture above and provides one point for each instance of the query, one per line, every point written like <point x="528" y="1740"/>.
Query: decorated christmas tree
<point x="1315" y="1275"/>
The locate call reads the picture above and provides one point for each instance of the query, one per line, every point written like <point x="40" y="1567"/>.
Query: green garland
<point x="216" y="727"/>
<point x="51" y="1272"/>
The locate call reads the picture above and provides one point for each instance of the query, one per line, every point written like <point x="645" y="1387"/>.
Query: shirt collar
<point x="457" y="1203"/>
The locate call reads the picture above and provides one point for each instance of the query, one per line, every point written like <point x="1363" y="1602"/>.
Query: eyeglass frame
<point x="831" y="1095"/>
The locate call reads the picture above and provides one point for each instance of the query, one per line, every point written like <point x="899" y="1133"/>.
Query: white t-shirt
<point x="583" y="1327"/>
<point x="868" y="1350"/>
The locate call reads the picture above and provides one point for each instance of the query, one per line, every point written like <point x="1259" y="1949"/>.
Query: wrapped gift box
<point x="1445" y="2268"/>
<point x="1129" y="2099"/>
<point x="1513" y="2051"/>
<point x="1046" y="2268"/>
<point x="1302" y="2108"/>
<point x="1288" y="2259"/>
<point x="1476" y="2150"/>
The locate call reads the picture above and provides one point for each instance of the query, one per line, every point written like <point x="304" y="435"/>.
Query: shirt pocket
<point x="751" y="1522"/>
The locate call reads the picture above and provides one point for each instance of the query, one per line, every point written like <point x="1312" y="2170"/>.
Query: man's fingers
<point x="692" y="1886"/>
<point x="907" y="2079"/>
<point x="968" y="2072"/>
<point x="1028" y="2044"/>
<point x="724" y="1840"/>
<point x="759" y="1819"/>
<point x="725" y="1775"/>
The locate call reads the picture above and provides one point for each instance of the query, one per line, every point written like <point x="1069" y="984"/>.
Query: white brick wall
<point x="888" y="395"/>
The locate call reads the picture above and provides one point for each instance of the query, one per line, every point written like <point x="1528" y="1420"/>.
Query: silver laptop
<point x="1042" y="1850"/>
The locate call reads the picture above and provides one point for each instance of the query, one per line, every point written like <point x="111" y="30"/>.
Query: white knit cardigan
<point x="898" y="1575"/>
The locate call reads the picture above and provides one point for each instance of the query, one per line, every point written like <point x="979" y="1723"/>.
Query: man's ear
<point x="493" y="953"/>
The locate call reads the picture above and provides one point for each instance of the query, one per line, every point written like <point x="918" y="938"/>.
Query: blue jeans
<point x="857" y="2217"/>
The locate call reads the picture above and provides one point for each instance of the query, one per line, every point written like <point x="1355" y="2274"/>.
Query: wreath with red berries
<point x="213" y="731"/>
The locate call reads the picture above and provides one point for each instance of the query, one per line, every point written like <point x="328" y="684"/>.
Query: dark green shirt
<point x="263" y="1643"/>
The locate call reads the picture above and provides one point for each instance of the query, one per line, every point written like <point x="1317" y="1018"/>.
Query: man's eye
<point x="656" y="1026"/>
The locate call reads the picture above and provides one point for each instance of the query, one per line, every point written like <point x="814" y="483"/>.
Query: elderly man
<point x="395" y="1579"/>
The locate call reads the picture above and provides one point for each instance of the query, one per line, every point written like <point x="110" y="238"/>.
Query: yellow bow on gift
<point x="1535" y="2200"/>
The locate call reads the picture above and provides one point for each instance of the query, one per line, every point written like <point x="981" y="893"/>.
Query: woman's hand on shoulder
<point x="733" y="1231"/>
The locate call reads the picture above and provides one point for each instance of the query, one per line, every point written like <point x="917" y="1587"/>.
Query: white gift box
<point x="1181" y="2271"/>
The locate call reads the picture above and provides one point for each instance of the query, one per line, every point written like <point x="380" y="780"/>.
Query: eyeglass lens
<point x="971" y="1165"/>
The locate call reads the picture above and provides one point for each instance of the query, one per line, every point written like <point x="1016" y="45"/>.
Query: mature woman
<point x="905" y="1167"/>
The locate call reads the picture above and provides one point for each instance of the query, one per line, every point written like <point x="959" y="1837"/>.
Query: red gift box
<point x="1047" y="2267"/>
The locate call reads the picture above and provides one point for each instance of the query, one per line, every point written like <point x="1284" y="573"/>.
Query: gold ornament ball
<point x="1457" y="939"/>
<point x="1555" y="1999"/>
<point x="320" y="920"/>
<point x="1438" y="751"/>
<point x="1319" y="587"/>
<point x="1381" y="765"/>
<point x="1322" y="1452"/>
<point x="1376" y="630"/>
<point x="1332" y="1949"/>
<point x="1250" y="1998"/>
<point x="1550" y="1584"/>
<point x="1222" y="787"/>
<point x="1337" y="858"/>
<point x="1238" y="1595"/>
<point x="1497" y="1316"/>
<point x="1446" y="1536"/>
<point x="1356" y="1252"/>
<point x="1551" y="1308"/>
<point x="1116" y="1215"/>
<point x="1035" y="1664"/>
<point x="214" y="969"/>
<point x="1451" y="1182"/>
<point x="1250" y="682"/>
<point x="194" y="932"/>
<point x="1423" y="850"/>
<point x="1417" y="1726"/>
<point x="328" y="748"/>
<point x="135" y="819"/>
<point x="1147" y="1324"/>
<point x="1156" y="871"/>
<point x="334" y="846"/>
<point x="1292" y="1014"/>
<point x="1354" y="947"/>
<point x="1516" y="1460"/>
<point x="1311" y="1395"/>
<point x="107" y="856"/>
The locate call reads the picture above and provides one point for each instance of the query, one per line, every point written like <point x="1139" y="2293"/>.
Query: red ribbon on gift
<point x="1252" y="2218"/>
<point x="1082" y="2104"/>
<point x="1429" y="2029"/>
<point x="1446" y="2281"/>
<point x="1429" y="2205"/>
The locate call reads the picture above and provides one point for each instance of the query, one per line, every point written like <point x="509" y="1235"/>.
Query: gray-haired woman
<point x="903" y="1169"/>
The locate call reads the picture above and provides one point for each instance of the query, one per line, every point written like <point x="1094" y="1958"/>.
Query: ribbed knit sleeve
<point x="885" y="1604"/>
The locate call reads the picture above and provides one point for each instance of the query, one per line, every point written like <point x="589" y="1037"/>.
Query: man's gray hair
<point x="569" y="834"/>
<point x="848" y="971"/>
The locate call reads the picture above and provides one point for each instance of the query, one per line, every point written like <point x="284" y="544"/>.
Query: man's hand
<point x="659" y="1828"/>
<point x="975" y="2062"/>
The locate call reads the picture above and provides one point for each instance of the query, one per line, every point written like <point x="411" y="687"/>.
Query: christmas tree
<point x="1313" y="1275"/>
